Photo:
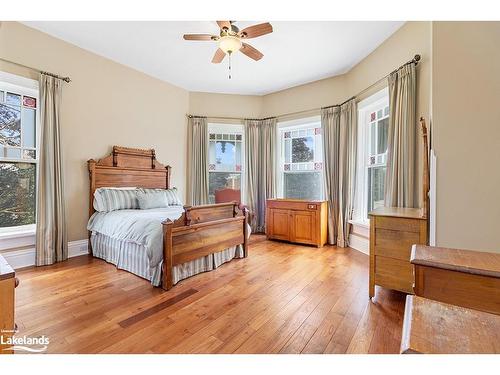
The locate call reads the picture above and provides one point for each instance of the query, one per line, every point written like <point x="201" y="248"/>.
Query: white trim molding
<point x="359" y="243"/>
<point x="26" y="257"/>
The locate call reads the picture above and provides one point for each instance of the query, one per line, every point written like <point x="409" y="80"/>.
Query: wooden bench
<point x="432" y="327"/>
<point x="460" y="277"/>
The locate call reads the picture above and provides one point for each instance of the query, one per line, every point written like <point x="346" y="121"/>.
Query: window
<point x="225" y="162"/>
<point x="18" y="150"/>
<point x="373" y="127"/>
<point x="301" y="162"/>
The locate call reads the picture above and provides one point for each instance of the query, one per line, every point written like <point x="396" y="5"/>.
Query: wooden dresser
<point x="431" y="327"/>
<point x="8" y="282"/>
<point x="393" y="231"/>
<point x="297" y="221"/>
<point x="459" y="277"/>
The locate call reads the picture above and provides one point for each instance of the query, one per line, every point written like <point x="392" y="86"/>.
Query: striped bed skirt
<point x="133" y="258"/>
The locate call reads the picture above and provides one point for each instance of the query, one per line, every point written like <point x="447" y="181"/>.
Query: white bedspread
<point x="142" y="227"/>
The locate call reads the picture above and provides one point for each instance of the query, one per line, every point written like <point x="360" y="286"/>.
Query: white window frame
<point x="376" y="101"/>
<point x="220" y="128"/>
<point x="291" y="125"/>
<point x="22" y="235"/>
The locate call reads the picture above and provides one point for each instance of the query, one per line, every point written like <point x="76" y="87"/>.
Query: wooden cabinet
<point x="393" y="232"/>
<point x="8" y="282"/>
<point x="459" y="277"/>
<point x="297" y="221"/>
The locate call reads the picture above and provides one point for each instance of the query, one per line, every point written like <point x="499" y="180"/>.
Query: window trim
<point x="290" y="125"/>
<point x="365" y="107"/>
<point x="231" y="128"/>
<point x="22" y="235"/>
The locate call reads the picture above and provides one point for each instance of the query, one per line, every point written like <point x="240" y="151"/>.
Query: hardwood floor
<point x="283" y="298"/>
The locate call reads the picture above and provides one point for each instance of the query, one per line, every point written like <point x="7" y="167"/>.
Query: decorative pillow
<point x="111" y="199"/>
<point x="171" y="195"/>
<point x="152" y="199"/>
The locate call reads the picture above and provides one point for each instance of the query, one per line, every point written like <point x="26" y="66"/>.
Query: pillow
<point x="111" y="199"/>
<point x="171" y="194"/>
<point x="153" y="199"/>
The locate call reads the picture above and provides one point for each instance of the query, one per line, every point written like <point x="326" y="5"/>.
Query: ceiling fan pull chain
<point x="229" y="65"/>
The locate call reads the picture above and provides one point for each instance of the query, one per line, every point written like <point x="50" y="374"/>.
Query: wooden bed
<point x="200" y="231"/>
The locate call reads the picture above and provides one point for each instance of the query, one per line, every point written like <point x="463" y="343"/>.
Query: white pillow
<point x="111" y="199"/>
<point x="147" y="200"/>
<point x="171" y="195"/>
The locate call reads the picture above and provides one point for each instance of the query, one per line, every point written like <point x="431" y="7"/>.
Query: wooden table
<point x="432" y="327"/>
<point x="461" y="277"/>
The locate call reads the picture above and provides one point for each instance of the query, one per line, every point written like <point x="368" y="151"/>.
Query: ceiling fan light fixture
<point x="229" y="43"/>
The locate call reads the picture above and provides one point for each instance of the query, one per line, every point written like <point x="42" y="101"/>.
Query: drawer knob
<point x="311" y="206"/>
<point x="16" y="282"/>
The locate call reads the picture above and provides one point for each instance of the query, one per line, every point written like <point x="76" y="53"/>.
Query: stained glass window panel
<point x="29" y="127"/>
<point x="13" y="99"/>
<point x="288" y="152"/>
<point x="29" y="102"/>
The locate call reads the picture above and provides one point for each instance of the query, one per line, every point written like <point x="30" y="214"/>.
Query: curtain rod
<point x="65" y="79"/>
<point x="415" y="61"/>
<point x="229" y="118"/>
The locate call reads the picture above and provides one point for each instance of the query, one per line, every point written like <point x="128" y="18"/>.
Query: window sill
<point x="360" y="223"/>
<point x="15" y="237"/>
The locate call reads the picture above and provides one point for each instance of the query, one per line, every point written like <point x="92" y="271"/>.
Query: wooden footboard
<point x="200" y="231"/>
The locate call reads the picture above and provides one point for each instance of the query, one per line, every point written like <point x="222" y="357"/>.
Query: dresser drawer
<point x="399" y="224"/>
<point x="394" y="273"/>
<point x="294" y="205"/>
<point x="395" y="244"/>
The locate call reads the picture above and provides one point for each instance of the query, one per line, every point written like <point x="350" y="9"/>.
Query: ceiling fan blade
<point x="251" y="52"/>
<point x="256" y="30"/>
<point x="224" y="24"/>
<point x="199" y="37"/>
<point x="219" y="56"/>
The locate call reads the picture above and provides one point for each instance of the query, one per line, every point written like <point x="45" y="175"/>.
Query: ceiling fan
<point x="231" y="38"/>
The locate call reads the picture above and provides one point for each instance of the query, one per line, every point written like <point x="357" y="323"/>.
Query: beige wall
<point x="306" y="97"/>
<point x="225" y="105"/>
<point x="106" y="104"/>
<point x="466" y="133"/>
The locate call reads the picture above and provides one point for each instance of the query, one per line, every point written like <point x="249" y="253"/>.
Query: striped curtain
<point x="198" y="160"/>
<point x="51" y="238"/>
<point x="339" y="127"/>
<point x="260" y="175"/>
<point x="401" y="138"/>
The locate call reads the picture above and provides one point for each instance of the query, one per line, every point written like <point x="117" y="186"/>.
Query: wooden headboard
<point x="127" y="167"/>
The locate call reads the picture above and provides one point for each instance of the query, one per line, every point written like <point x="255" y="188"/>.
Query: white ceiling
<point x="295" y="53"/>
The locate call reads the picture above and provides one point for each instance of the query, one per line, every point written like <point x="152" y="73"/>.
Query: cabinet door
<point x="303" y="227"/>
<point x="278" y="226"/>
